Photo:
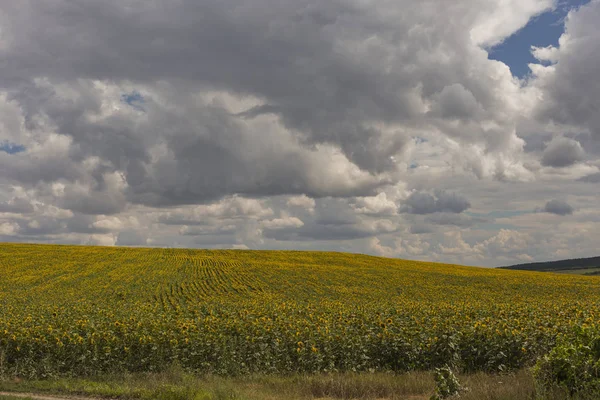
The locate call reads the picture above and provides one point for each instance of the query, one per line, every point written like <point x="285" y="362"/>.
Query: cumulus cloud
<point x="16" y="206"/>
<point x="592" y="178"/>
<point x="317" y="57"/>
<point x="558" y="207"/>
<point x="376" y="205"/>
<point x="283" y="223"/>
<point x="501" y="19"/>
<point x="567" y="93"/>
<point x="440" y="201"/>
<point x="316" y="232"/>
<point x="101" y="240"/>
<point x="456" y="102"/>
<point x="333" y="220"/>
<point x="229" y="208"/>
<point x="303" y="201"/>
<point x="562" y="152"/>
<point x="8" y="229"/>
<point x="505" y="243"/>
<point x="109" y="200"/>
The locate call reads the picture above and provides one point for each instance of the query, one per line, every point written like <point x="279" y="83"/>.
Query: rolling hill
<point x="580" y="266"/>
<point x="77" y="310"/>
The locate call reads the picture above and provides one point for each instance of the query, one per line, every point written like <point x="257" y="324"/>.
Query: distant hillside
<point x="581" y="266"/>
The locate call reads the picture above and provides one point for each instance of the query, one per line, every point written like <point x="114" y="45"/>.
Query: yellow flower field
<point x="76" y="310"/>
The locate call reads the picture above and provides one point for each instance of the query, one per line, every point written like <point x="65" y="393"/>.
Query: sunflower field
<point x="77" y="310"/>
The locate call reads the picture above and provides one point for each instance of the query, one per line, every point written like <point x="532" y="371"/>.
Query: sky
<point x="542" y="30"/>
<point x="462" y="132"/>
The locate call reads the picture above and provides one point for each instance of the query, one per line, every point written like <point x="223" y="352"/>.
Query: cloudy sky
<point x="464" y="131"/>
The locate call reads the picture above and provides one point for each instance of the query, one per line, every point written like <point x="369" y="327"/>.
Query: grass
<point x="177" y="385"/>
<point x="14" y="398"/>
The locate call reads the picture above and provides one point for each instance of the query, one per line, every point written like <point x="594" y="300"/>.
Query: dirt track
<point x="37" y="396"/>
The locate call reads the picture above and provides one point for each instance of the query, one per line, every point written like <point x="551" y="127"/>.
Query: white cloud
<point x="303" y="201"/>
<point x="500" y="19"/>
<point x="282" y="223"/>
<point x="376" y="205"/>
<point x="8" y="229"/>
<point x="101" y="240"/>
<point x="505" y="242"/>
<point x="548" y="53"/>
<point x="109" y="223"/>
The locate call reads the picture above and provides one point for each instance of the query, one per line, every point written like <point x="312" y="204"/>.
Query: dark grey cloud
<point x="562" y="152"/>
<point x="208" y="154"/>
<point x="309" y="64"/>
<point x="224" y="240"/>
<point x="419" y="228"/>
<point x="180" y="219"/>
<point x="81" y="223"/>
<point x="259" y="110"/>
<point x="310" y="232"/>
<point x="48" y="167"/>
<point x="335" y="212"/>
<point x="333" y="219"/>
<point x="456" y="102"/>
<point x="454" y="219"/>
<point x="41" y="226"/>
<point x="442" y="201"/>
<point x="337" y="219"/>
<point x="285" y="55"/>
<point x="451" y="202"/>
<point x="209" y="231"/>
<point x="17" y="206"/>
<point x="592" y="178"/>
<point x="131" y="238"/>
<point x="537" y="142"/>
<point x="40" y="239"/>
<point x="558" y="207"/>
<point x="94" y="203"/>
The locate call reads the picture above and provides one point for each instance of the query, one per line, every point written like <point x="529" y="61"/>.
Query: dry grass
<point x="414" y="385"/>
<point x="176" y="385"/>
<point x="499" y="387"/>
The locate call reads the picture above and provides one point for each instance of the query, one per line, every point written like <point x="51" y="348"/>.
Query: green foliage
<point x="446" y="383"/>
<point x="573" y="365"/>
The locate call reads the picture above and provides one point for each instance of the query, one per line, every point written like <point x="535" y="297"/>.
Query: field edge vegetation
<point x="175" y="384"/>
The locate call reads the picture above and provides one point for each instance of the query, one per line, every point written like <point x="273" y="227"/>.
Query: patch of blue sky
<point x="134" y="99"/>
<point x="11" y="148"/>
<point x="541" y="31"/>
